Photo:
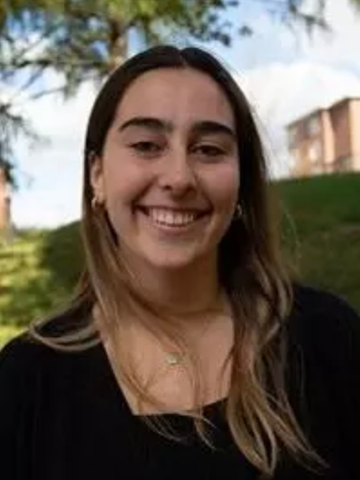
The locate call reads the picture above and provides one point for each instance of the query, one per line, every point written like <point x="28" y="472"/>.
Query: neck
<point x="191" y="290"/>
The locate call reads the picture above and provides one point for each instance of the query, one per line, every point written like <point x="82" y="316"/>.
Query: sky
<point x="284" y="74"/>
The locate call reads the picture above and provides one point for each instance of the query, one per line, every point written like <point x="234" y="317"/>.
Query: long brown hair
<point x="251" y="273"/>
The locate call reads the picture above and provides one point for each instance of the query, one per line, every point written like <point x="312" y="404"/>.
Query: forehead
<point x="182" y="95"/>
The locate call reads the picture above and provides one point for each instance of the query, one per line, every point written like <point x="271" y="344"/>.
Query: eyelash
<point x="145" y="147"/>
<point x="204" y="150"/>
<point x="209" y="150"/>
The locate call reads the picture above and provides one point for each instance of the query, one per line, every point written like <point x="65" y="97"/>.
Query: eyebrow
<point x="199" y="127"/>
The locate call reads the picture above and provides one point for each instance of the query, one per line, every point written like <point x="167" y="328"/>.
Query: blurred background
<point x="298" y="63"/>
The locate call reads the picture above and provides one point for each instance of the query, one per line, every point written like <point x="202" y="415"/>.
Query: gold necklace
<point x="176" y="358"/>
<point x="173" y="359"/>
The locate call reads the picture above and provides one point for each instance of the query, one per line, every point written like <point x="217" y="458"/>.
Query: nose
<point x="177" y="173"/>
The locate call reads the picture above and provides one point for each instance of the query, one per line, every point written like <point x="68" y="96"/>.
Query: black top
<point x="63" y="416"/>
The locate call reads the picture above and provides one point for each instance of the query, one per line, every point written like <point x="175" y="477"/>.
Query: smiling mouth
<point x="171" y="217"/>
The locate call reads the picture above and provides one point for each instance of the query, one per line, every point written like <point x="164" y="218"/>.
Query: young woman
<point x="187" y="351"/>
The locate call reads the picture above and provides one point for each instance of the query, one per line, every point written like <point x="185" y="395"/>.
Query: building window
<point x="313" y="126"/>
<point x="315" y="152"/>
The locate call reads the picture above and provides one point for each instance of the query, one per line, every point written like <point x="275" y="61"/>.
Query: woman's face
<point x="169" y="173"/>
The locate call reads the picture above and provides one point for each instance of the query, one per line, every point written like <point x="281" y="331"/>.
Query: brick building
<point x="327" y="140"/>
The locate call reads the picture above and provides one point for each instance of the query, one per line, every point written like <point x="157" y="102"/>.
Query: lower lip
<point x="173" y="229"/>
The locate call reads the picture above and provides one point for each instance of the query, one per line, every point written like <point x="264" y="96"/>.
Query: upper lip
<point x="175" y="209"/>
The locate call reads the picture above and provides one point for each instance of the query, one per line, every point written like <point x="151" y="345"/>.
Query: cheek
<point x="225" y="189"/>
<point x="124" y="183"/>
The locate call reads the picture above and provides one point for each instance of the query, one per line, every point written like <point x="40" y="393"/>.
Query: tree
<point x="85" y="39"/>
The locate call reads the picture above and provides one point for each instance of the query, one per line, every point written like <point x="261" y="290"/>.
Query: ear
<point x="97" y="177"/>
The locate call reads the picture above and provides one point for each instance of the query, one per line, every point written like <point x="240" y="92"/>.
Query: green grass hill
<point x="320" y="230"/>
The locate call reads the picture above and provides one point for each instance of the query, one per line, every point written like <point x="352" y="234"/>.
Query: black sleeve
<point x="16" y="387"/>
<point x="341" y="352"/>
<point x="327" y="330"/>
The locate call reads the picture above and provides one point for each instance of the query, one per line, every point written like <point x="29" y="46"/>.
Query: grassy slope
<point x="326" y="229"/>
<point x="37" y="274"/>
<point x="321" y="231"/>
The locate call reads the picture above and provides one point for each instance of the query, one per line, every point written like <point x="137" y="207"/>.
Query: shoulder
<point x="323" y="374"/>
<point x="25" y="356"/>
<point x="309" y="299"/>
<point x="26" y="353"/>
<point x="315" y="310"/>
<point x="19" y="351"/>
<point x="28" y="374"/>
<point x="325" y="327"/>
<point x="20" y="360"/>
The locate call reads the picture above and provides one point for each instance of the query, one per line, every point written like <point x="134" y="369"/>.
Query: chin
<point x="173" y="259"/>
<point x="170" y="263"/>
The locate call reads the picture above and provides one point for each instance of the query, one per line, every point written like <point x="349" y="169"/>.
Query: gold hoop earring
<point x="95" y="203"/>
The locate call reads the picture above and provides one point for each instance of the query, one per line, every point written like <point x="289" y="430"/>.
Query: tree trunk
<point x="118" y="43"/>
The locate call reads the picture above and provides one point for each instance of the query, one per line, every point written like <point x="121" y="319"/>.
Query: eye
<point x="208" y="151"/>
<point x="146" y="147"/>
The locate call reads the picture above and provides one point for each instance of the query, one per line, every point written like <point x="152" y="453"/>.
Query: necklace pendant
<point x="174" y="358"/>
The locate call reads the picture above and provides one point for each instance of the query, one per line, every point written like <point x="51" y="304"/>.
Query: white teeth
<point x="168" y="217"/>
